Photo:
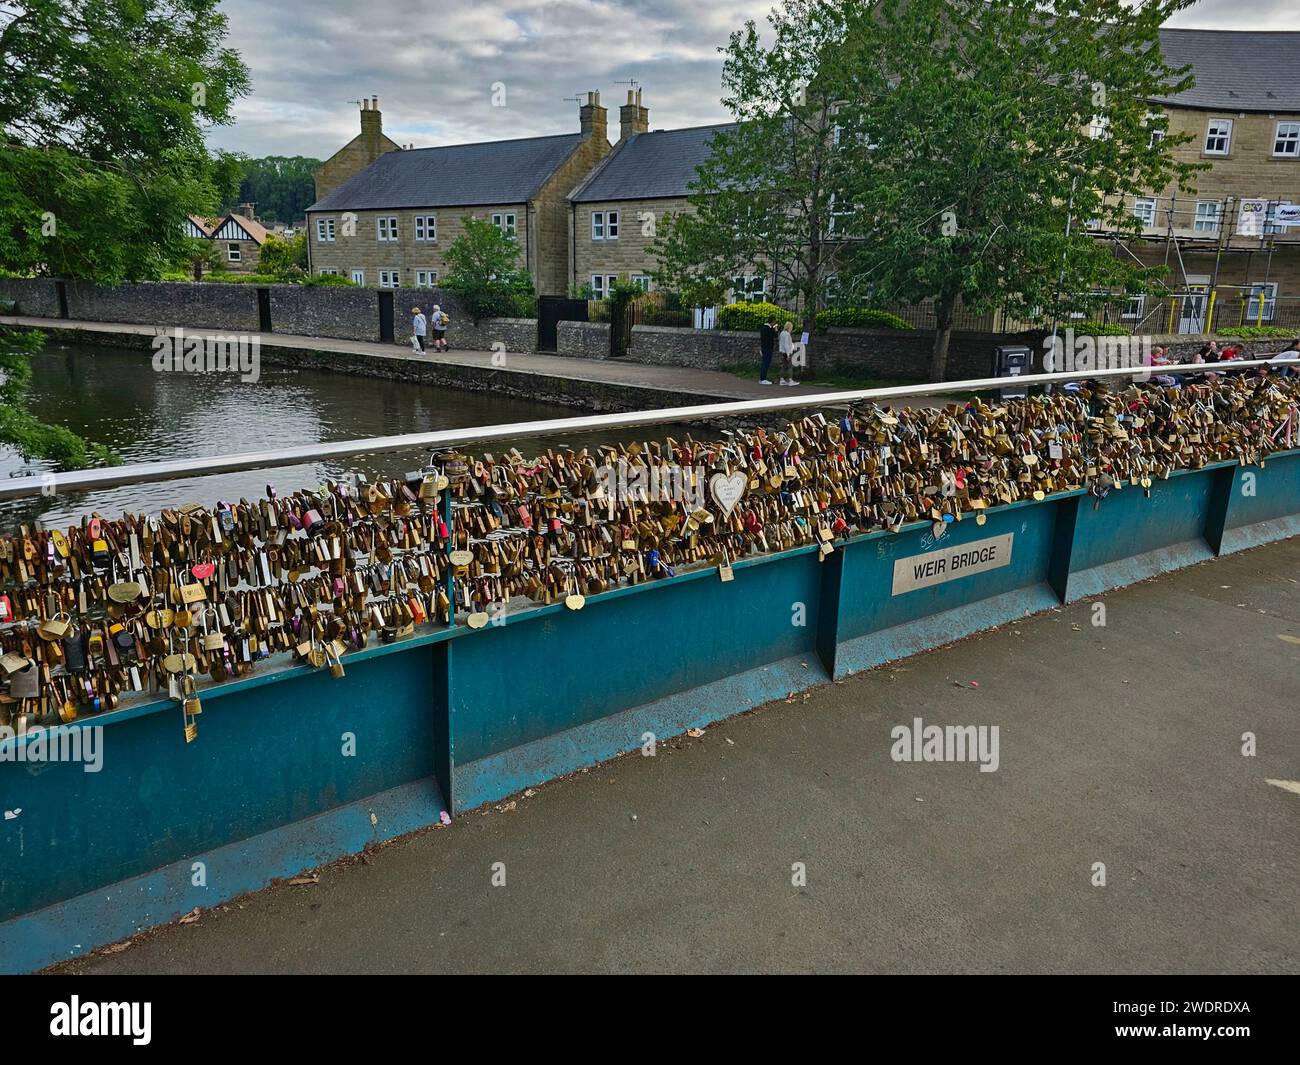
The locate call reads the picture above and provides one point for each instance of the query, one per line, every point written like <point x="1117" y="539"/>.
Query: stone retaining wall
<point x="35" y="296"/>
<point x="582" y="340"/>
<point x="340" y="313"/>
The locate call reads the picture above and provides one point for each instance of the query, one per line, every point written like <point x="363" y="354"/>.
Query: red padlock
<point x="6" y="609"/>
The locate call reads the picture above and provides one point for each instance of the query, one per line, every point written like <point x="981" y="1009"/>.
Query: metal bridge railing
<point x="117" y="476"/>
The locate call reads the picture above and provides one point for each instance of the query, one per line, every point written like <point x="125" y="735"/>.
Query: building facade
<point x="391" y="223"/>
<point x="238" y="237"/>
<point x="1230" y="258"/>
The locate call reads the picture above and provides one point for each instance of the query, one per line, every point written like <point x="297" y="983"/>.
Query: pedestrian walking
<point x="785" y="344"/>
<point x="766" y="349"/>
<point x="419" y="328"/>
<point x="440" y="323"/>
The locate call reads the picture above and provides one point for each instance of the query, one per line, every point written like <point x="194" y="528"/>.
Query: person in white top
<point x="419" y="327"/>
<point x="785" y="345"/>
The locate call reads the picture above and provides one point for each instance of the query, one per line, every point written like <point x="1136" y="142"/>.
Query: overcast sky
<point x="433" y="64"/>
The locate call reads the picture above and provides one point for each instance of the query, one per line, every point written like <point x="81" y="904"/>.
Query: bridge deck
<point x="1118" y="744"/>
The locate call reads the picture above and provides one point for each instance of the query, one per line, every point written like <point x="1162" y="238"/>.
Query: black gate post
<point x="264" y="310"/>
<point x="386" y="317"/>
<point x="61" y="287"/>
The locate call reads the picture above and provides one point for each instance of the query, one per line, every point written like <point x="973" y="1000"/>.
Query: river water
<point x="115" y="397"/>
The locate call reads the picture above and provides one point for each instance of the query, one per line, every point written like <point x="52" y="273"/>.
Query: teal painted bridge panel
<point x="487" y="712"/>
<point x="265" y="756"/>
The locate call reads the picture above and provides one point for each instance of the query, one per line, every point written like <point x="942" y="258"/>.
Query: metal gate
<point x="386" y="317"/>
<point x="264" y="310"/>
<point x="620" y="328"/>
<point x="551" y="311"/>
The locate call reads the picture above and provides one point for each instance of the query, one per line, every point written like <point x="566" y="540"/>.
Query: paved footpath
<point x="1119" y="744"/>
<point x="668" y="379"/>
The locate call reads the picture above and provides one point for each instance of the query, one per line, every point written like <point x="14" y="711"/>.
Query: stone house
<point x="1225" y="235"/>
<point x="238" y="236"/>
<point x="618" y="208"/>
<point x="391" y="222"/>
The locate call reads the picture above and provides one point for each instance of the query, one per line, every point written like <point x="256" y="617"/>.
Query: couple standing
<point x="420" y="328"/>
<point x="770" y="341"/>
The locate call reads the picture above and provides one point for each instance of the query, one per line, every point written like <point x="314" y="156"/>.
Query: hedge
<point x="858" y="318"/>
<point x="1259" y="332"/>
<point x="749" y="317"/>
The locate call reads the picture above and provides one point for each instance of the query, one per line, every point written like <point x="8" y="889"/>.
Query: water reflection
<point x="114" y="397"/>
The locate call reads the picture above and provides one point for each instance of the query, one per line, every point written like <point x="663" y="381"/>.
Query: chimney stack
<point x="593" y="117"/>
<point x="246" y="209"/>
<point x="372" y="128"/>
<point x="632" y="117"/>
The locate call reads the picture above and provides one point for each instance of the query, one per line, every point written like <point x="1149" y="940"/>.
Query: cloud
<point x="434" y="64"/>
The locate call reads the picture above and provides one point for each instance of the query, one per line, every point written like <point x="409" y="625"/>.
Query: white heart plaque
<point x="727" y="489"/>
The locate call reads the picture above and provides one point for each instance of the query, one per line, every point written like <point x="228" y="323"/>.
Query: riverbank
<point x="587" y="384"/>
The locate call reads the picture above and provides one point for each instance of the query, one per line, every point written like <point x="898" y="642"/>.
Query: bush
<point x="221" y="278"/>
<point x="1098" y="329"/>
<point x="749" y="317"/>
<point x="657" y="316"/>
<point x="1259" y="332"/>
<point x="858" y="318"/>
<point x="326" y="280"/>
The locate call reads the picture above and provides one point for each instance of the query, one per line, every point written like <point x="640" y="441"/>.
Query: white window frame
<point x="505" y="221"/>
<point x="386" y="228"/>
<point x="1268" y="291"/>
<point x="1157" y="135"/>
<point x="611" y="225"/>
<point x="1133" y="307"/>
<point x="426" y="228"/>
<point x="233" y="254"/>
<point x="1218" y="131"/>
<point x="1099" y="128"/>
<point x="327" y="270"/>
<point x="324" y="231"/>
<point x="426" y="278"/>
<point x="746" y="293"/>
<point x="1286" y="136"/>
<point x="597" y="225"/>
<point x="390" y="278"/>
<point x="1148" y="222"/>
<point x="601" y="285"/>
<point x="1204" y="222"/>
<point x="358" y="277"/>
<point x="643" y="282"/>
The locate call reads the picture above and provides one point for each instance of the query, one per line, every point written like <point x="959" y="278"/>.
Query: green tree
<point x="19" y="428"/>
<point x="103" y="108"/>
<point x="200" y="256"/>
<point x="484" y="272"/>
<point x="766" y="201"/>
<point x="282" y="187"/>
<point x="284" y="258"/>
<point x="975" y="132"/>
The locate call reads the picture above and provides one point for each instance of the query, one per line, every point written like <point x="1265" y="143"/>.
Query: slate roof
<point x="649" y="166"/>
<point x="1236" y="70"/>
<point x="493" y="172"/>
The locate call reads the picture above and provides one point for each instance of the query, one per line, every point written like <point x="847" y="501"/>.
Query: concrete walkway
<point x="615" y="372"/>
<point x="1119" y="745"/>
